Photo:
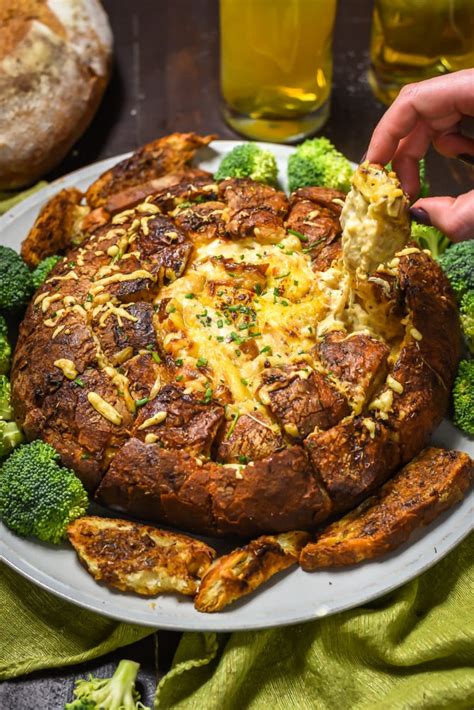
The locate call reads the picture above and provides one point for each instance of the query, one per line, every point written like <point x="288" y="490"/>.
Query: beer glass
<point x="276" y="66"/>
<point x="418" y="39"/>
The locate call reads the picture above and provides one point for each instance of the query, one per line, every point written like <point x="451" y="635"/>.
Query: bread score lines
<point x="235" y="376"/>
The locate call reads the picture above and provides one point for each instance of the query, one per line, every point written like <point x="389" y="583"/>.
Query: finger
<point x="453" y="144"/>
<point x="452" y="215"/>
<point x="440" y="102"/>
<point x="406" y="161"/>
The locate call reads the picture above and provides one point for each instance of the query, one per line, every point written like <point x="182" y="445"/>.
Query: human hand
<point x="424" y="113"/>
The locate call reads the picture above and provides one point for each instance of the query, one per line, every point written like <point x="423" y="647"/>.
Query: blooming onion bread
<point x="209" y="357"/>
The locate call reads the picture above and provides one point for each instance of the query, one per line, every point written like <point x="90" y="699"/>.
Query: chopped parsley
<point x="79" y="382"/>
<point x="201" y="362"/>
<point x="189" y="295"/>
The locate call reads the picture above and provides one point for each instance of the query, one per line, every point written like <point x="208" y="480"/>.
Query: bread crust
<point x="56" y="65"/>
<point x="144" y="419"/>
<point x="139" y="558"/>
<point x="243" y="570"/>
<point x="433" y="482"/>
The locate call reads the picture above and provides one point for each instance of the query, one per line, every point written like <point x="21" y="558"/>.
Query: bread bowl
<point x="55" y="61"/>
<point x="330" y="424"/>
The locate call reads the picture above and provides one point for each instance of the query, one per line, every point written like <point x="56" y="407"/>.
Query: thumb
<point x="454" y="216"/>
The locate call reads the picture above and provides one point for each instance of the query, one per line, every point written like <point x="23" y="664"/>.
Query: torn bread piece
<point x="243" y="570"/>
<point x="57" y="227"/>
<point x="139" y="558"/>
<point x="375" y="219"/>
<point x="433" y="482"/>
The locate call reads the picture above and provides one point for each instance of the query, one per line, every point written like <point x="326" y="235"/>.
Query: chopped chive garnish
<point x="189" y="295"/>
<point x="79" y="382"/>
<point x="232" y="426"/>
<point x="156" y="357"/>
<point x="220" y="323"/>
<point x="178" y="378"/>
<point x="141" y="402"/>
<point x="282" y="276"/>
<point x="243" y="459"/>
<point x="301" y="237"/>
<point x="244" y="382"/>
<point x="179" y="361"/>
<point x="266" y="349"/>
<point x="201" y="362"/>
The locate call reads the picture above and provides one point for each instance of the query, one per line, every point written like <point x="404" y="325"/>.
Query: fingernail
<point x="363" y="158"/>
<point x="420" y="215"/>
<point x="466" y="158"/>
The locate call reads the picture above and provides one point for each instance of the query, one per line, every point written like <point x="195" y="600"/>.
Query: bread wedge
<point x="139" y="558"/>
<point x="433" y="482"/>
<point x="243" y="570"/>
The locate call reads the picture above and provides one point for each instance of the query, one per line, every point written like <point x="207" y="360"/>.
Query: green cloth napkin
<point x="10" y="199"/>
<point x="411" y="649"/>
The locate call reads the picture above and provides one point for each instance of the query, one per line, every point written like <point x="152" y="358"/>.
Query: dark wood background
<point x="166" y="79"/>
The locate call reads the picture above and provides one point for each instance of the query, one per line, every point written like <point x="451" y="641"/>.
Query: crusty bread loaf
<point x="54" y="66"/>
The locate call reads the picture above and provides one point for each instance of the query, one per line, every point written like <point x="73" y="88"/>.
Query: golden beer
<point x="418" y="39"/>
<point x="276" y="66"/>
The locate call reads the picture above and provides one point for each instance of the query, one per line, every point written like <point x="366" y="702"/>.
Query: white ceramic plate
<point x="287" y="599"/>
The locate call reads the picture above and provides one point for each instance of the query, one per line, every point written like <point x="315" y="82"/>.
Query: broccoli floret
<point x="16" y="284"/>
<point x="6" y="411"/>
<point x="430" y="238"/>
<point x="248" y="161"/>
<point x="463" y="397"/>
<point x="467" y="319"/>
<point x="317" y="162"/>
<point x="38" y="496"/>
<point x="5" y="349"/>
<point x="10" y="437"/>
<point x="41" y="272"/>
<point x="457" y="263"/>
<point x="116" y="693"/>
<point x="10" y="434"/>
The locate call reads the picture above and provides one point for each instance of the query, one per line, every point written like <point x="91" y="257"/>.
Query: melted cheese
<point x="374" y="219"/>
<point x="230" y="336"/>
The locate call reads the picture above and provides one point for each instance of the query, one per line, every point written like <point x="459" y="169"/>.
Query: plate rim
<point x="222" y="622"/>
<point x="82" y="599"/>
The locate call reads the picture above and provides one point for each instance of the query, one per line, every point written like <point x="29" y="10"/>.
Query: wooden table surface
<point x="166" y="79"/>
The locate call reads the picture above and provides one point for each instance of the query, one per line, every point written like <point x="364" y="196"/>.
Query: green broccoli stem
<point x="10" y="436"/>
<point x="122" y="684"/>
<point x="116" y="693"/>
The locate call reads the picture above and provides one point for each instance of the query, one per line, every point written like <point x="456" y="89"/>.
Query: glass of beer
<point x="418" y="39"/>
<point x="276" y="66"/>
